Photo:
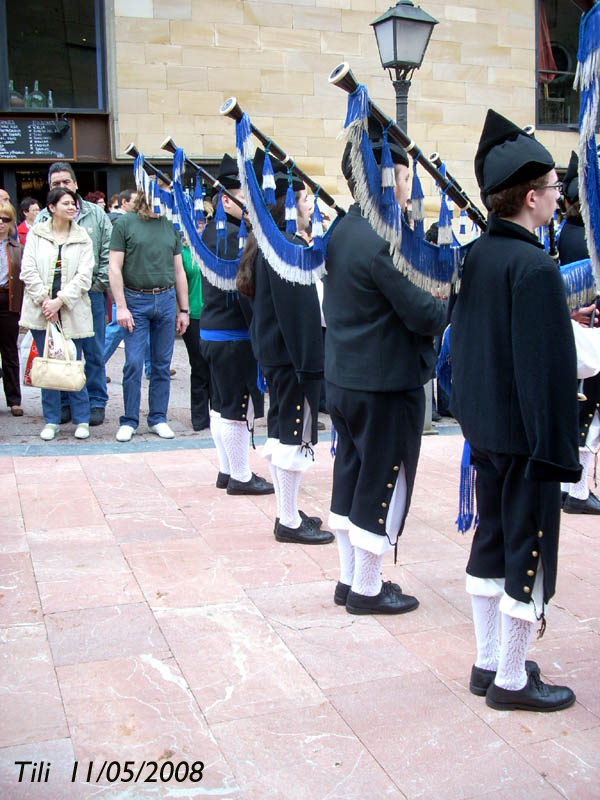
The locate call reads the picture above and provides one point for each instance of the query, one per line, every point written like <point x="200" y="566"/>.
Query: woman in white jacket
<point x="56" y="270"/>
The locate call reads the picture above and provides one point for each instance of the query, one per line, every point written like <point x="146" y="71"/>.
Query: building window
<point x="54" y="54"/>
<point x="557" y="40"/>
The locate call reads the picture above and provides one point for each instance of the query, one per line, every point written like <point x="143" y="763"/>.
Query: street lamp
<point x="403" y="34"/>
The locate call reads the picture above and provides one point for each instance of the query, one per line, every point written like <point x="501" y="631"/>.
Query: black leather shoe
<point x="303" y="534"/>
<point x="563" y="497"/>
<point x="314" y="522"/>
<point x="390" y="600"/>
<point x="534" y="696"/>
<point x="256" y="485"/>
<point x="341" y="593"/>
<point x="575" y="506"/>
<point x="65" y="415"/>
<point x="222" y="480"/>
<point x="96" y="415"/>
<point x="482" y="678"/>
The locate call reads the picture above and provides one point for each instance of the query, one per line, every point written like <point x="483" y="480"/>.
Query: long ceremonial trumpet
<point x="231" y="108"/>
<point x="170" y="146"/>
<point x="131" y="150"/>
<point x="343" y="77"/>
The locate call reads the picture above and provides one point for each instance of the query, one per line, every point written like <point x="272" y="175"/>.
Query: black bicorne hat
<point x="571" y="179"/>
<point x="508" y="156"/>
<point x="228" y="173"/>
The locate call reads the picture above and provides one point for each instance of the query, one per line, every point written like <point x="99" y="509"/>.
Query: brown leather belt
<point x="156" y="290"/>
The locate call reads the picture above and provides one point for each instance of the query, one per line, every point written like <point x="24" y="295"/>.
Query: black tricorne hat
<point x="280" y="174"/>
<point x="571" y="179"/>
<point x="508" y="156"/>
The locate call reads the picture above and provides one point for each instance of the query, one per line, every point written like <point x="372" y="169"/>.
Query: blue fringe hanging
<point x="580" y="286"/>
<point x="199" y="201"/>
<point x="292" y="262"/>
<point x="333" y="440"/>
<point x="317" y="225"/>
<point x="462" y="229"/>
<point x="268" y="179"/>
<point x="388" y="176"/>
<point x="261" y="381"/>
<point x="466" y="499"/>
<point x="221" y="224"/>
<point x="291" y="212"/>
<point x="242" y="235"/>
<point x="443" y="368"/>
<point x="417" y="198"/>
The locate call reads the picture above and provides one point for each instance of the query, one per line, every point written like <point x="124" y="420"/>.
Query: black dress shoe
<point x="341" y="593"/>
<point x="65" y="415"/>
<point x="303" y="534"/>
<point x="482" y="678"/>
<point x="222" y="480"/>
<point x="534" y="696"/>
<point x="390" y="600"/>
<point x="256" y="485"/>
<point x="96" y="415"/>
<point x="575" y="506"/>
<point x="563" y="497"/>
<point x="314" y="522"/>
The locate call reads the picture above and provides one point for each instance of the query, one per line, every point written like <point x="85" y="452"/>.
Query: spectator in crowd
<point x="29" y="208"/>
<point x="99" y="198"/>
<point x="147" y="281"/>
<point x="200" y="371"/>
<point x="95" y="222"/>
<point x="125" y="203"/>
<point x="11" y="296"/>
<point x="57" y="269"/>
<point x="113" y="203"/>
<point x="4" y="196"/>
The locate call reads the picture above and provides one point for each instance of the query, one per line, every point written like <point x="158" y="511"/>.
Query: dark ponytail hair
<point x="244" y="280"/>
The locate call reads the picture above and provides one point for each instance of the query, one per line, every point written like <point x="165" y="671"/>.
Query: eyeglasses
<point x="6" y="219"/>
<point x="558" y="186"/>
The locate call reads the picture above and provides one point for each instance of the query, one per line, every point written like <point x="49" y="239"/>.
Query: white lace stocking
<point x="236" y="441"/>
<point x="581" y="489"/>
<point x="287" y="501"/>
<point x="516" y="635"/>
<point x="215" y="432"/>
<point x="367" y="572"/>
<point x="485" y="621"/>
<point x="346" y="554"/>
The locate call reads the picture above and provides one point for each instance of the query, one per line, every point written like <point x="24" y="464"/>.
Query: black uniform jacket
<point x="380" y="326"/>
<point x="286" y="323"/>
<point x="514" y="383"/>
<point x="222" y="310"/>
<point x="571" y="242"/>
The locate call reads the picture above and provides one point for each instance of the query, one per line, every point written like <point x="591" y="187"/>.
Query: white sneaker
<point x="125" y="433"/>
<point x="162" y="429"/>
<point x="49" y="432"/>
<point x="82" y="431"/>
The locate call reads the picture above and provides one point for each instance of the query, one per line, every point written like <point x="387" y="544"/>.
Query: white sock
<point x="215" y="432"/>
<point x="287" y="501"/>
<point x="275" y="481"/>
<point x="346" y="554"/>
<point x="367" y="572"/>
<point x="581" y="489"/>
<point x="485" y="621"/>
<point x="516" y="635"/>
<point x="236" y="441"/>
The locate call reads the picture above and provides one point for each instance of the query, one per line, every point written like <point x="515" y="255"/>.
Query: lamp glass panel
<point x="384" y="31"/>
<point x="411" y="41"/>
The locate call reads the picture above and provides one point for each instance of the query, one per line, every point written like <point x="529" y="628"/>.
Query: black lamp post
<point x="403" y="34"/>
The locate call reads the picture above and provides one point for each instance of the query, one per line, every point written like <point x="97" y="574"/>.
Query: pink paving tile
<point x="212" y="511"/>
<point x="145" y="525"/>
<point x="82" y="534"/>
<point x="447" y="578"/>
<point x="304" y="753"/>
<point x="29" y="697"/>
<point x="228" y="541"/>
<point x="6" y="465"/>
<point x="12" y="537"/>
<point x="123" y="500"/>
<point x="94" y="634"/>
<point x="58" y="758"/>
<point x="46" y="506"/>
<point x="19" y="601"/>
<point x="191" y="473"/>
<point x="47" y="469"/>
<point x="234" y="662"/>
<point x="427" y="740"/>
<point x="141" y="709"/>
<point x="274" y="566"/>
<point x="300" y="606"/>
<point x="570" y="763"/>
<point x="448" y="651"/>
<point x="181" y="573"/>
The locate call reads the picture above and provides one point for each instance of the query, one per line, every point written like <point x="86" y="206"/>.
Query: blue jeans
<point x="154" y="315"/>
<point x="93" y="350"/>
<point x="51" y="398"/>
<point x="113" y="337"/>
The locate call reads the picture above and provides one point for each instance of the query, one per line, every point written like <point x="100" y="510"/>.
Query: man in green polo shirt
<point x="147" y="282"/>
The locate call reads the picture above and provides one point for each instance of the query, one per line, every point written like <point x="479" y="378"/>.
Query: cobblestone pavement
<point x="146" y="616"/>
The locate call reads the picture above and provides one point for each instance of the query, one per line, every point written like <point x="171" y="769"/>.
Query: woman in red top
<point x="11" y="296"/>
<point x="29" y="208"/>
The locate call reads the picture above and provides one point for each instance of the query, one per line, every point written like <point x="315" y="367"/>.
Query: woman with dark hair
<point x="29" y="208"/>
<point x="57" y="267"/>
<point x="11" y="296"/>
<point x="99" y="198"/>
<point x="286" y="339"/>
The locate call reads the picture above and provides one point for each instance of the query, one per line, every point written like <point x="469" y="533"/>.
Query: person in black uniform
<point x="379" y="354"/>
<point x="572" y="247"/>
<point x="514" y="392"/>
<point x="287" y="341"/>
<point x="225" y="343"/>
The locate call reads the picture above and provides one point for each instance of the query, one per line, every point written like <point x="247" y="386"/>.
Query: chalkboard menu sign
<point x="34" y="140"/>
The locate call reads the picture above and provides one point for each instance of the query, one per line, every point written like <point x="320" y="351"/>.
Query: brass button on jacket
<point x="531" y="573"/>
<point x="527" y="590"/>
<point x="534" y="553"/>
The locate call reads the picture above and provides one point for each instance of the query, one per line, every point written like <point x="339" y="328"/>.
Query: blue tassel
<point x="358" y="105"/>
<point x="199" y="200"/>
<point x="416" y="197"/>
<point x="445" y="223"/>
<point x="155" y="189"/>
<point x="261" y="381"/>
<point x="463" y="223"/>
<point x="317" y="226"/>
<point x="580" y="286"/>
<point x="268" y="179"/>
<point x="466" y="513"/>
<point x="388" y="176"/>
<point x="242" y="235"/>
<point x="221" y="224"/>
<point x="443" y="368"/>
<point x="334" y="438"/>
<point x="291" y="213"/>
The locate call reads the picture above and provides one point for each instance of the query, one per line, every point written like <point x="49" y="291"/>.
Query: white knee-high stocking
<point x="367" y="572"/>
<point x="581" y="489"/>
<point x="236" y="441"/>
<point x="215" y="432"/>
<point x="516" y="635"/>
<point x="485" y="621"/>
<point x="287" y="499"/>
<point x="346" y="554"/>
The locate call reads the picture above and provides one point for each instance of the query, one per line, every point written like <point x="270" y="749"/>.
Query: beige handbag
<point x="65" y="375"/>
